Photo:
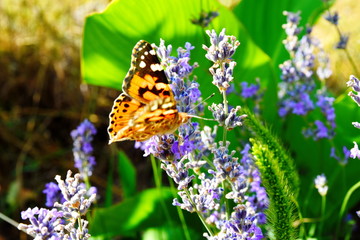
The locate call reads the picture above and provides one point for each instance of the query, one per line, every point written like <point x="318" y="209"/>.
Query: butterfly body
<point x="147" y="106"/>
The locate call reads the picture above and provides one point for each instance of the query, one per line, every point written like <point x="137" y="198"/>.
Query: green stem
<point x="322" y="214"/>
<point x="343" y="206"/>
<point x="198" y="213"/>
<point x="157" y="176"/>
<point x="87" y="182"/>
<point x="351" y="60"/>
<point x="226" y="111"/>
<point x="79" y="222"/>
<point x="180" y="212"/>
<point x="157" y="179"/>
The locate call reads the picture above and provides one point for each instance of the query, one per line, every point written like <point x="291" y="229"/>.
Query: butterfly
<point x="147" y="106"/>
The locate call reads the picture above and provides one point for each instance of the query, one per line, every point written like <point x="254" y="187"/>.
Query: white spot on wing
<point x="152" y="52"/>
<point x="142" y="57"/>
<point x="142" y="64"/>
<point x="167" y="105"/>
<point x="156" y="67"/>
<point x="146" y="53"/>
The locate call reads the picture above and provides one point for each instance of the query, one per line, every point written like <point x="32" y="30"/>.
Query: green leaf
<point x="127" y="174"/>
<point x="263" y="20"/>
<point x="168" y="232"/>
<point x="133" y="214"/>
<point x="12" y="196"/>
<point x="110" y="36"/>
<point x="109" y="183"/>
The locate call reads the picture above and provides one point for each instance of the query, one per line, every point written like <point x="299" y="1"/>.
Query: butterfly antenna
<point x="213" y="94"/>
<point x="194" y="116"/>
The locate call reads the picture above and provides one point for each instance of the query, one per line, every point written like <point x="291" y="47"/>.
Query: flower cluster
<point x="82" y="150"/>
<point x="64" y="220"/>
<point x="220" y="51"/>
<point x="248" y="91"/>
<point x="252" y="91"/>
<point x="225" y="118"/>
<point x="354" y="83"/>
<point x="343" y="160"/>
<point x="298" y="84"/>
<point x="321" y="184"/>
<point x="53" y="194"/>
<point x="206" y="172"/>
<point x="82" y="137"/>
<point x="323" y="129"/>
<point x="187" y="94"/>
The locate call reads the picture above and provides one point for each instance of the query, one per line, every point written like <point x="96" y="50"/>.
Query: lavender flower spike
<point x="229" y="120"/>
<point x="76" y="201"/>
<point x="220" y="51"/>
<point x="355" y="84"/>
<point x="82" y="136"/>
<point x="45" y="224"/>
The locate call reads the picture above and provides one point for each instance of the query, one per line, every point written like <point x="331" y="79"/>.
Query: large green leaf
<point x="133" y="214"/>
<point x="110" y="36"/>
<point x="169" y="232"/>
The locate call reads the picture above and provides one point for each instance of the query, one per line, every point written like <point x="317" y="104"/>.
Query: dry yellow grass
<point x="349" y="23"/>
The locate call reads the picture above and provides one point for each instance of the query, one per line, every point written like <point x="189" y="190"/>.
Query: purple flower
<point x="82" y="150"/>
<point x="343" y="160"/>
<point x="53" y="194"/>
<point x="326" y="105"/>
<point x="249" y="91"/>
<point x="297" y="73"/>
<point x="291" y="28"/>
<point x="76" y="196"/>
<point x="257" y="197"/>
<point x="355" y="84"/>
<point x="45" y="224"/>
<point x="187" y="94"/>
<point x="303" y="105"/>
<point x="342" y="42"/>
<point x="318" y="131"/>
<point x="297" y="89"/>
<point x="228" y="120"/>
<point x="332" y="18"/>
<point x="201" y="183"/>
<point x="322" y="131"/>
<point x="222" y="48"/>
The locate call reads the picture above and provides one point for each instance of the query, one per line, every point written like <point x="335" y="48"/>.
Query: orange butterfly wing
<point x="123" y="111"/>
<point x="147" y="107"/>
<point x="146" y="79"/>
